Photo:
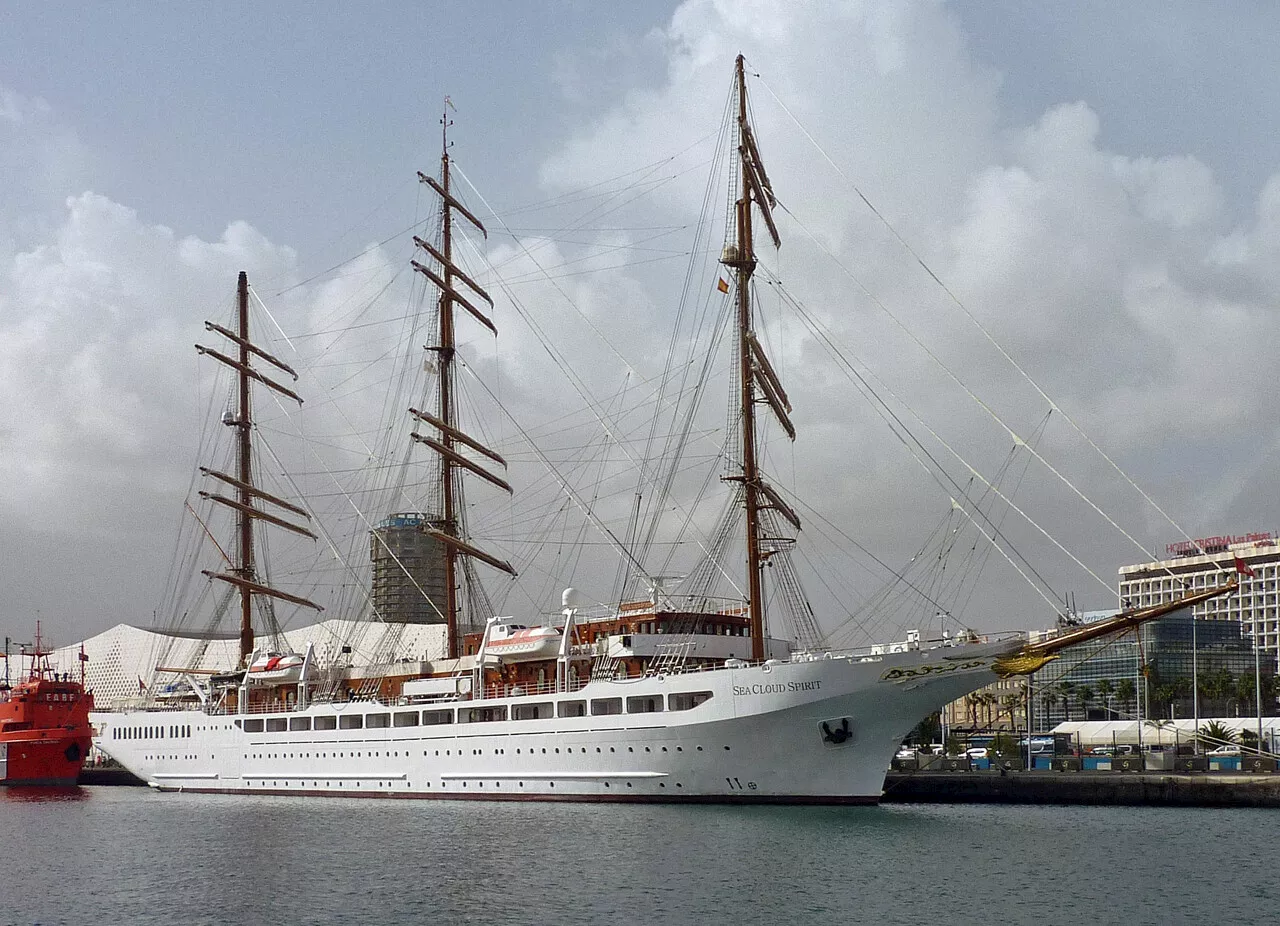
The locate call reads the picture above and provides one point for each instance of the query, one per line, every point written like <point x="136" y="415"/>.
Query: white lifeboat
<point x="518" y="643"/>
<point x="276" y="667"/>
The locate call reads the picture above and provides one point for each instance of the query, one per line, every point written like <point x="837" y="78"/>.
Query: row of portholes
<point x="324" y="755"/>
<point x="556" y="750"/>
<point x="479" y="784"/>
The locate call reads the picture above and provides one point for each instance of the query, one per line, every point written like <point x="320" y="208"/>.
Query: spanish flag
<point x="722" y="284"/>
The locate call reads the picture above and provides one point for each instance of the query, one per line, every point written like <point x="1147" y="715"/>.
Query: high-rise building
<point x="408" y="570"/>
<point x="1196" y="565"/>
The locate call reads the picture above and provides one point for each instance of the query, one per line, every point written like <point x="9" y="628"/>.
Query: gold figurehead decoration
<point x="1035" y="656"/>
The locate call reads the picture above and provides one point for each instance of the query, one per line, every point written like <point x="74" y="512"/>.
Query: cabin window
<point x="406" y="718"/>
<point x="604" y="706"/>
<point x="299" y="723"/>
<point x="646" y="704"/>
<point x="482" y="714"/>
<point x="539" y="711"/>
<point x="432" y="718"/>
<point x="253" y="725"/>
<point x="326" y="723"/>
<point x="377" y="721"/>
<point x="277" y="724"/>
<point x="573" y="708"/>
<point x="686" y="700"/>
<point x="351" y="721"/>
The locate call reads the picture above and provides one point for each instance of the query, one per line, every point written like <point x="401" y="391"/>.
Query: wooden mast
<point x="446" y="349"/>
<point x="450" y="532"/>
<point x="243" y="573"/>
<point x="757" y="380"/>
<point x="750" y="476"/>
<point x="244" y="523"/>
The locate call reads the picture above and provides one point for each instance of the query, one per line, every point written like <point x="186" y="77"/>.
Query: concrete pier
<point x="1152" y="789"/>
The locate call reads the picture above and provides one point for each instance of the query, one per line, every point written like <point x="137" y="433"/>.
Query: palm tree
<point x="1105" y="690"/>
<point x="1085" y="694"/>
<point x="1246" y="691"/>
<point x="1125" y="691"/>
<point x="1216" y="733"/>
<point x="1159" y="726"/>
<point x="1067" y="689"/>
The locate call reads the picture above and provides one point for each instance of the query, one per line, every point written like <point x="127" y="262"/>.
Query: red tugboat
<point x="44" y="724"/>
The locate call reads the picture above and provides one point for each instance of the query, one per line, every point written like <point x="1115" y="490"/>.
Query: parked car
<point x="1102" y="751"/>
<point x="1227" y="750"/>
<point x="977" y="752"/>
<point x="906" y="752"/>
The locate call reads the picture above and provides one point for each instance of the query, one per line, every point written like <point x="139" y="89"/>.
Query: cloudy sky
<point x="1098" y="186"/>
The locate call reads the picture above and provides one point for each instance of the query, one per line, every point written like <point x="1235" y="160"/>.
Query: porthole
<point x="699" y="749"/>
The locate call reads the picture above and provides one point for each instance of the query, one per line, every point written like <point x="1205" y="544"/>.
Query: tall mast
<point x="244" y="447"/>
<point x="757" y="380"/>
<point x="243" y="573"/>
<point x="450" y="533"/>
<point x="746" y="267"/>
<point x="446" y="349"/>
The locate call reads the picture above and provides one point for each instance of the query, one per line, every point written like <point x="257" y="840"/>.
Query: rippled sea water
<point x="126" y="855"/>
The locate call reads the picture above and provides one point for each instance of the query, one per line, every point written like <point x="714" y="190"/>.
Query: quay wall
<point x="1152" y="789"/>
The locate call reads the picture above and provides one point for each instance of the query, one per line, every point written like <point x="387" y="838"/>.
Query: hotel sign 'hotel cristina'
<point x="1200" y="564"/>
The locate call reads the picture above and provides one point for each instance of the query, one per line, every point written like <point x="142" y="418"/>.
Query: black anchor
<point x="837" y="736"/>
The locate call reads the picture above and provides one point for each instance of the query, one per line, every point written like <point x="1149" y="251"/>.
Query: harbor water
<point x="129" y="856"/>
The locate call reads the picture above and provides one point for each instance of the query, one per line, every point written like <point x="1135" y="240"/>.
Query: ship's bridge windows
<point x="482" y="714"/>
<point x="645" y="704"/>
<point x="572" y="709"/>
<point x="540" y="711"/>
<point x="406" y="718"/>
<point x="253" y="725"/>
<point x="351" y="721"/>
<point x="434" y="718"/>
<point x="238" y="723"/>
<point x="603" y="706"/>
<point x="299" y="723"/>
<point x="377" y="721"/>
<point x="326" y="723"/>
<point x="277" y="724"/>
<point x="686" y="700"/>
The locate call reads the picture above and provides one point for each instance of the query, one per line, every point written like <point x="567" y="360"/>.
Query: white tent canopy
<point x="1105" y="732"/>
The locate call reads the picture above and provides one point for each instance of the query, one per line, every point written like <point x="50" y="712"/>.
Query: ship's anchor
<point x="839" y="735"/>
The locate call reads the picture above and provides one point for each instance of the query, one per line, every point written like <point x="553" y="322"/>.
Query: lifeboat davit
<point x="517" y="643"/>
<point x="276" y="667"/>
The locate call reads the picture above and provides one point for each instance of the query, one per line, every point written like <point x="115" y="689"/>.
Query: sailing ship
<point x="658" y="700"/>
<point x="44" y="723"/>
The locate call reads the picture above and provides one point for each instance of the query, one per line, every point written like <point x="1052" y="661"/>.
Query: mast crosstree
<point x="450" y="533"/>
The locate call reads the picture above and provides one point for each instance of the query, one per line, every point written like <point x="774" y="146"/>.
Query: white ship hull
<point x="817" y="731"/>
